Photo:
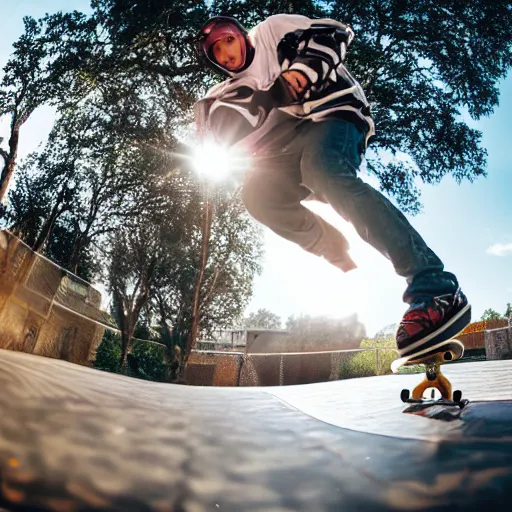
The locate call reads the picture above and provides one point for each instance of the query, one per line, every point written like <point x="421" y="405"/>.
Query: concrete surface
<point x="74" y="439"/>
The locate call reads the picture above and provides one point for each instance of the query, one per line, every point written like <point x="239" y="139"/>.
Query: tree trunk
<point x="126" y="338"/>
<point x="128" y="314"/>
<point x="10" y="160"/>
<point x="194" y="328"/>
<point x="47" y="228"/>
<point x="123" y="326"/>
<point x="75" y="255"/>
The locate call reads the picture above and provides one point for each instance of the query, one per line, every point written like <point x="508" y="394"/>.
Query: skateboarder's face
<point x="228" y="52"/>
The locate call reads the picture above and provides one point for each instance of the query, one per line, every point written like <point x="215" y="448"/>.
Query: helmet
<point x="204" y="42"/>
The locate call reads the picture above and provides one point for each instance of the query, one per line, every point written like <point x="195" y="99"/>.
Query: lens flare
<point x="216" y="163"/>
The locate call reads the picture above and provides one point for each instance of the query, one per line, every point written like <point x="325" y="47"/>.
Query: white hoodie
<point x="282" y="42"/>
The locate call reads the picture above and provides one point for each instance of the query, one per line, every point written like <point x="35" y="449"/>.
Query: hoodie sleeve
<point x="232" y="110"/>
<point x="313" y="47"/>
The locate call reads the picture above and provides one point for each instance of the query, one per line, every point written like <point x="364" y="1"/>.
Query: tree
<point x="211" y="285"/>
<point x="29" y="202"/>
<point x="106" y="190"/>
<point x="235" y="252"/>
<point x="324" y="333"/>
<point x="252" y="12"/>
<point x="117" y="97"/>
<point x="64" y="57"/>
<point x="491" y="314"/>
<point x="263" y="319"/>
<point x="138" y="251"/>
<point x="420" y="70"/>
<point x="386" y="332"/>
<point x="162" y="263"/>
<point x="152" y="44"/>
<point x="44" y="69"/>
<point x="79" y="184"/>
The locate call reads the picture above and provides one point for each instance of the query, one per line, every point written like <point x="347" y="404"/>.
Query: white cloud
<point x="500" y="249"/>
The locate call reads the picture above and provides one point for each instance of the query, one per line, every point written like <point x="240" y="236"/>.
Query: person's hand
<point x="297" y="82"/>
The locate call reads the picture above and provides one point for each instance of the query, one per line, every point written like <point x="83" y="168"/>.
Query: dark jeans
<point x="323" y="159"/>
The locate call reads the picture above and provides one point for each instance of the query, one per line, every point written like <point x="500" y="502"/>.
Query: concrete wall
<point x="498" y="343"/>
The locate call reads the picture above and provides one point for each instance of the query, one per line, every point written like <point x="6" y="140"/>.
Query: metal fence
<point x="280" y="369"/>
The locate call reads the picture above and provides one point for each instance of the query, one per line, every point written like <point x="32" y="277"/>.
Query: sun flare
<point x="216" y="163"/>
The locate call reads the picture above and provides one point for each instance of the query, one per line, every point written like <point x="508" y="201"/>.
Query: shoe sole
<point x="452" y="345"/>
<point x="447" y="331"/>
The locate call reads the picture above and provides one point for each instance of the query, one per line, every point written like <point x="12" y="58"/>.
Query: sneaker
<point x="428" y="323"/>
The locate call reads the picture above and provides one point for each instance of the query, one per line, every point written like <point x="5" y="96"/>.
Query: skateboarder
<point x="291" y="102"/>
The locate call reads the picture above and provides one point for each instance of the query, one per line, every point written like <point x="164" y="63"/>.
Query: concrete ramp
<point x="74" y="439"/>
<point x="372" y="404"/>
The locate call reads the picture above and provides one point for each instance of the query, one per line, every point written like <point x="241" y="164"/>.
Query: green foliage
<point x="263" y="319"/>
<point x="417" y="65"/>
<point x="251" y="12"/>
<point x="420" y="70"/>
<point x="146" y="360"/>
<point x="386" y="357"/>
<point x="61" y="247"/>
<point x="235" y="253"/>
<point x="139" y="25"/>
<point x="70" y="195"/>
<point x="367" y="363"/>
<point x="109" y="353"/>
<point x="491" y="314"/>
<point x="362" y="364"/>
<point x="385" y="334"/>
<point x="45" y="68"/>
<point x="28" y="202"/>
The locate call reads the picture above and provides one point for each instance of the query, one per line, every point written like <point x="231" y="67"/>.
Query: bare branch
<point x="4" y="155"/>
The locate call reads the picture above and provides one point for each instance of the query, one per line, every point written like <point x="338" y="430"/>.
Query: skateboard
<point x="449" y="350"/>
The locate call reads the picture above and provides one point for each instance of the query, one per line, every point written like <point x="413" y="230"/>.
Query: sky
<point x="469" y="226"/>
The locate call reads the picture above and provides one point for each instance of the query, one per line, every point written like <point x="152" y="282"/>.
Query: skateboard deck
<point x="432" y="359"/>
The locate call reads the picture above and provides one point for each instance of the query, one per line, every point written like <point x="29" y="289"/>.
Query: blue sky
<point x="468" y="226"/>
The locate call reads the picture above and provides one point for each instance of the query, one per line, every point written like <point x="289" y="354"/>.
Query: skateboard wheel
<point x="404" y="395"/>
<point x="457" y="395"/>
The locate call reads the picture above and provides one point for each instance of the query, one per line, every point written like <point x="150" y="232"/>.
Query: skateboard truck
<point x="435" y="379"/>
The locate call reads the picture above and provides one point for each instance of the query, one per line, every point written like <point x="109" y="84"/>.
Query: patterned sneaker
<point x="430" y="322"/>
